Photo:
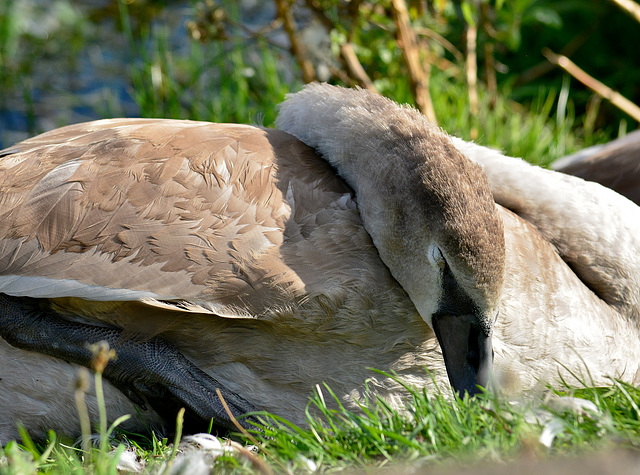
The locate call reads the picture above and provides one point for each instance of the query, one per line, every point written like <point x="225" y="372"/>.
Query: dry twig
<point x="355" y="73"/>
<point x="540" y="69"/>
<point x="592" y="83"/>
<point x="354" y="67"/>
<point x="629" y="6"/>
<point x="418" y="74"/>
<point x="472" y="67"/>
<point x="441" y="40"/>
<point x="297" y="48"/>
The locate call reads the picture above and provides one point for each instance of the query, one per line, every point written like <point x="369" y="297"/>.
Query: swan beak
<point x="467" y="352"/>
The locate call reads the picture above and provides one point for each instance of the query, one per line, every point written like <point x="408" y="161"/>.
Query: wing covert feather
<point x="162" y="210"/>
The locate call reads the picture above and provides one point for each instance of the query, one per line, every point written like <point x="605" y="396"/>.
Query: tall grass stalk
<point x="102" y="411"/>
<point x="82" y="386"/>
<point x="178" y="435"/>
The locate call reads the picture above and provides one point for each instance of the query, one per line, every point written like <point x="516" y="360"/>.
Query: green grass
<point x="432" y="430"/>
<point x="436" y="429"/>
<point x="224" y="85"/>
<point x="235" y="81"/>
<point x="243" y="81"/>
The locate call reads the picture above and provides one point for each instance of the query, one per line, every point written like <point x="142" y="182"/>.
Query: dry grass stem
<point x="256" y="461"/>
<point x="259" y="464"/>
<point x="234" y="420"/>
<point x="418" y="73"/>
<point x="472" y="67"/>
<point x="285" y="14"/>
<point x="629" y="6"/>
<point x="592" y="83"/>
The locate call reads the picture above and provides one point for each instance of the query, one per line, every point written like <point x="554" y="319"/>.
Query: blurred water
<point x="68" y="61"/>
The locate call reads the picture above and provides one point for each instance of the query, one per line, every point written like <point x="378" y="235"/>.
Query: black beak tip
<point x="467" y="352"/>
<point x="472" y="386"/>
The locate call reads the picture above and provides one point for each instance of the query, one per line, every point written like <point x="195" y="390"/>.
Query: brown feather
<point x="615" y="165"/>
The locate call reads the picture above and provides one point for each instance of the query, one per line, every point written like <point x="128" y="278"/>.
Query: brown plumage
<point x="245" y="249"/>
<point x="615" y="165"/>
<point x="241" y="254"/>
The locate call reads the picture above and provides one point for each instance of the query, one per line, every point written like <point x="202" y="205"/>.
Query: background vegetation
<point x="476" y="66"/>
<point x="484" y="70"/>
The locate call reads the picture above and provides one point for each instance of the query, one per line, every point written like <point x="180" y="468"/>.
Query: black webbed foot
<point x="149" y="372"/>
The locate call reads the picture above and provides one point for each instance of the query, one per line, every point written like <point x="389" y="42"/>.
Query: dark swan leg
<point x="152" y="371"/>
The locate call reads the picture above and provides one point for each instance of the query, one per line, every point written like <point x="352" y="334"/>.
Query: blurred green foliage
<point x="64" y="61"/>
<point x="222" y="81"/>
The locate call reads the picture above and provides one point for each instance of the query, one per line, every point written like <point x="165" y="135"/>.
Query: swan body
<point x="579" y="275"/>
<point x="615" y="165"/>
<point x="271" y="272"/>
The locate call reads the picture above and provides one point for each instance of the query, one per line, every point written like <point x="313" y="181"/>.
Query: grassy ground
<point x="429" y="434"/>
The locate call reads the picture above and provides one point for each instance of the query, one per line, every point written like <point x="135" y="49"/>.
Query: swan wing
<point x="181" y="215"/>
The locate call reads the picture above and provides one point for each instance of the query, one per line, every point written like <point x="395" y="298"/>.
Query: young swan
<point x="427" y="208"/>
<point x="232" y="257"/>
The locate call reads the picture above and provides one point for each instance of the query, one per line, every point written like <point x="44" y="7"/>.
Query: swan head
<point x="446" y="248"/>
<point x="428" y="209"/>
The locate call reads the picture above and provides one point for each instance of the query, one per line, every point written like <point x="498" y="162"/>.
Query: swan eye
<point x="435" y="256"/>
